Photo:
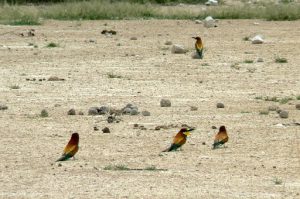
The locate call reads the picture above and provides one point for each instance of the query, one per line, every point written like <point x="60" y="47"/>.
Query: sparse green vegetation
<point x="298" y="97"/>
<point x="125" y="168"/>
<point x="258" y="98"/>
<point x="273" y="99"/>
<point x="15" y="14"/>
<point x="264" y="112"/>
<point x="52" y="45"/>
<point x="120" y="167"/>
<point x="245" y="112"/>
<point x="280" y="60"/>
<point x="248" y="61"/>
<point x="277" y="181"/>
<point x="14" y="87"/>
<point x="111" y="75"/>
<point x="235" y="66"/>
<point x="44" y="113"/>
<point x="285" y="100"/>
<point x="246" y="38"/>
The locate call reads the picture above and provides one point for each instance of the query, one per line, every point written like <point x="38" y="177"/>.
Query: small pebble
<point x="133" y="38"/>
<point x="203" y="143"/>
<point x="194" y="108"/>
<point x="145" y="113"/>
<point x="106" y="130"/>
<point x="297" y="107"/>
<point x="59" y="165"/>
<point x="96" y="128"/>
<point x="220" y="105"/>
<point x="3" y="107"/>
<point x="165" y="103"/>
<point x="273" y="108"/>
<point x="214" y="127"/>
<point x="72" y="112"/>
<point x="80" y="113"/>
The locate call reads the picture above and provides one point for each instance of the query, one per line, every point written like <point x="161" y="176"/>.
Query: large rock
<point x="257" y="39"/>
<point x="209" y="22"/>
<point x="178" y="49"/>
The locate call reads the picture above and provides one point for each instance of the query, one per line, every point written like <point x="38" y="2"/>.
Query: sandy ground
<point x="260" y="149"/>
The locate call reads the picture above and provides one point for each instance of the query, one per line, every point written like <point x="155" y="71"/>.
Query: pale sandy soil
<point x="259" y="151"/>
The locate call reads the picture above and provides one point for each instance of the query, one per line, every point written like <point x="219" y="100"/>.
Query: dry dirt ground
<point x="262" y="158"/>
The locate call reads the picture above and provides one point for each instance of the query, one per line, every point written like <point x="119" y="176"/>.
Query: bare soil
<point x="261" y="159"/>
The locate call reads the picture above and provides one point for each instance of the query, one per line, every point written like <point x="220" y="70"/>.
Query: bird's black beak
<point x="190" y="129"/>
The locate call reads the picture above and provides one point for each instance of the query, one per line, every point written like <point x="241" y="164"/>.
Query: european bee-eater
<point x="179" y="139"/>
<point x="71" y="148"/>
<point x="199" y="47"/>
<point x="220" y="138"/>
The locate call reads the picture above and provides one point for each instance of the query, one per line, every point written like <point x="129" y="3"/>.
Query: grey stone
<point x="145" y="113"/>
<point x="220" y="105"/>
<point x="72" y="112"/>
<point x="93" y="111"/>
<point x="3" y="107"/>
<point x="134" y="112"/>
<point x="284" y="114"/>
<point x="165" y="103"/>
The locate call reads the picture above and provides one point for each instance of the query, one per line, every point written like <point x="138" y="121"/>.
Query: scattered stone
<point x="211" y="3"/>
<point x="257" y="39"/>
<point x="106" y="130"/>
<point x="44" y="113"/>
<point x="93" y="111"/>
<point x="135" y="125"/>
<point x="145" y="113"/>
<point x="178" y="49"/>
<point x="209" y="22"/>
<point x="284" y="114"/>
<point x="96" y="128"/>
<point x="157" y="128"/>
<point x="72" y="112"/>
<point x="220" y="105"/>
<point x="80" y="113"/>
<point x="260" y="59"/>
<point x="3" y="107"/>
<point x="297" y="106"/>
<point x="278" y="111"/>
<point x="273" y="108"/>
<point x="133" y="38"/>
<point x="130" y="109"/>
<point x="103" y="110"/>
<point x="109" y="32"/>
<point x="198" y="21"/>
<point x="168" y="43"/>
<point x="55" y="78"/>
<point x="274" y="167"/>
<point x="165" y="103"/>
<point x="92" y="41"/>
<point x="203" y="143"/>
<point x="111" y="119"/>
<point x="59" y="165"/>
<point x="214" y="127"/>
<point x="127" y="110"/>
<point x="194" y="108"/>
<point x="134" y="112"/>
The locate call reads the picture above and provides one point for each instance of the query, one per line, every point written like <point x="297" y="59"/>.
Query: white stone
<point x="178" y="49"/>
<point x="257" y="39"/>
<point x="209" y="22"/>
<point x="211" y="3"/>
<point x="198" y="21"/>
